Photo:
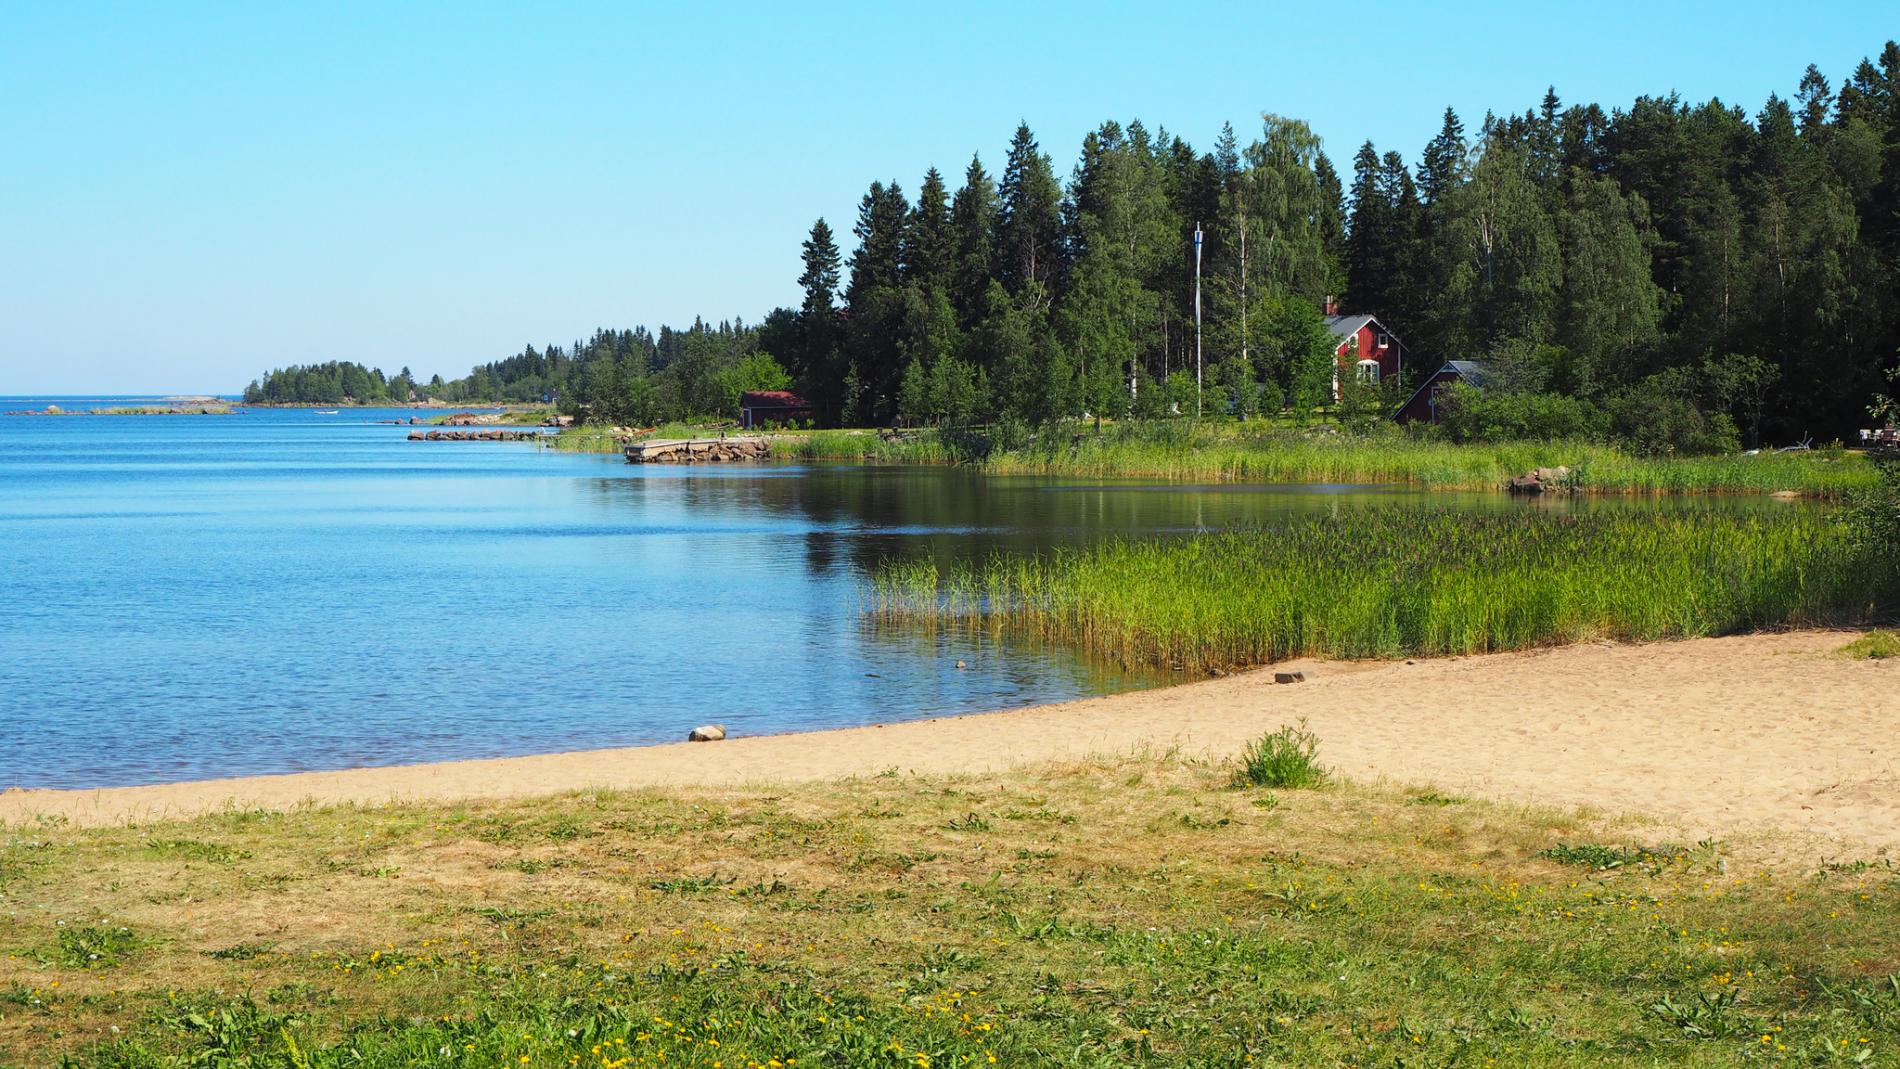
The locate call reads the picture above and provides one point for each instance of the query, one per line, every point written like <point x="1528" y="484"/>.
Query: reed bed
<point x="1215" y="453"/>
<point x="917" y="448"/>
<point x="1406" y="582"/>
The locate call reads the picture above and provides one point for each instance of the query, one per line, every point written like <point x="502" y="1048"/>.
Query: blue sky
<point x="190" y="194"/>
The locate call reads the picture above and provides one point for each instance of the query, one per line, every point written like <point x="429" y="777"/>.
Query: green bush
<point x="1284" y="758"/>
<point x="1471" y="415"/>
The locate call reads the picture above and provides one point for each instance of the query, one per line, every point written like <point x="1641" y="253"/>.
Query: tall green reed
<point x="1407" y="582"/>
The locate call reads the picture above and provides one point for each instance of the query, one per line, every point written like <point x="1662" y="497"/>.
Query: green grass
<point x="1401" y="582"/>
<point x="1233" y="452"/>
<point x="1874" y="646"/>
<point x="1159" y="918"/>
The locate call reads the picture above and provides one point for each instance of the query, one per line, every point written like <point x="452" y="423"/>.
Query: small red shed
<point x="762" y="407"/>
<point x="1423" y="405"/>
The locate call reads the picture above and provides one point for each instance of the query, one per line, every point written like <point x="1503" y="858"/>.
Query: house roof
<point x="1347" y="326"/>
<point x="773" y="398"/>
<point x="1469" y="371"/>
<point x="1472" y="371"/>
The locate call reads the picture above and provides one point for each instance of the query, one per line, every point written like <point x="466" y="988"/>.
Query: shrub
<point x="1284" y="758"/>
<point x="1660" y="416"/>
<point x="1472" y="415"/>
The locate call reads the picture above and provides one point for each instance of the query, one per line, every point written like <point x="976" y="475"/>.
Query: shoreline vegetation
<point x="1264" y="453"/>
<point x="1407" y="582"/>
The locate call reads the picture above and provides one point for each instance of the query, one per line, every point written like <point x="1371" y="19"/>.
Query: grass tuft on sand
<point x="1127" y="911"/>
<point x="1874" y="646"/>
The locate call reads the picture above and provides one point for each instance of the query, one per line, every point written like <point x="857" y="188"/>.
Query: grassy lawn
<point x="1139" y="910"/>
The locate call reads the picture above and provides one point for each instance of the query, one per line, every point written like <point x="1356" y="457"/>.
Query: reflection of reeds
<point x="1394" y="583"/>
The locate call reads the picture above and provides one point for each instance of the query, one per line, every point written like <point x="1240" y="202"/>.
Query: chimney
<point x="1331" y="306"/>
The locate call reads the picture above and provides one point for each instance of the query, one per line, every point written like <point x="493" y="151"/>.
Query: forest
<point x="1672" y="275"/>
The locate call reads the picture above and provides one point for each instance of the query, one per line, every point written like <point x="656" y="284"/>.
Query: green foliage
<point x="1408" y="581"/>
<point x="332" y="383"/>
<point x="1284" y="758"/>
<point x="1661" y="416"/>
<point x="758" y="371"/>
<point x="1472" y="415"/>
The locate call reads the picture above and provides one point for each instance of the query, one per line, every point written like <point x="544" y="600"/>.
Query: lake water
<point x="198" y="596"/>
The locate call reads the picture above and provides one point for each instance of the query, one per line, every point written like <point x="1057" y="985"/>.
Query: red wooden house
<point x="762" y="407"/>
<point x="1366" y="348"/>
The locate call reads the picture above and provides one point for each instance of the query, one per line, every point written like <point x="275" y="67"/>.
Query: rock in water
<point x="707" y="733"/>
<point x="1289" y="677"/>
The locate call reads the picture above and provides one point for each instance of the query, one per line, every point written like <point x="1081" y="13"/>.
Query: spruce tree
<point x="1030" y="217"/>
<point x="973" y="225"/>
<point x="1442" y="167"/>
<point x="929" y="243"/>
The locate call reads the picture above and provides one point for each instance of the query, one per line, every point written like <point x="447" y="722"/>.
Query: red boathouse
<point x="763" y="407"/>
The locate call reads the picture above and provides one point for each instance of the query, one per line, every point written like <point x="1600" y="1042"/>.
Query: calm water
<point x="188" y="597"/>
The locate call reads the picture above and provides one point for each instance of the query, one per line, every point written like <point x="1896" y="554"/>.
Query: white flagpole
<point x="1197" y="320"/>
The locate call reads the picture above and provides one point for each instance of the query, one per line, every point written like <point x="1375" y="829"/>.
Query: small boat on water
<point x="328" y="411"/>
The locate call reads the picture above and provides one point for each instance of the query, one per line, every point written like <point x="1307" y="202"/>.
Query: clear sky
<point x="190" y="194"/>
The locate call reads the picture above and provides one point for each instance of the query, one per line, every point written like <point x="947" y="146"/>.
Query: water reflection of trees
<point x="853" y="518"/>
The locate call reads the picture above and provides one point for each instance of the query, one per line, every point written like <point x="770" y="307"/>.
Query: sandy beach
<point x="1755" y="733"/>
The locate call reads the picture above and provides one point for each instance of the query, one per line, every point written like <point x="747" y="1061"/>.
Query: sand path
<point x="1712" y="736"/>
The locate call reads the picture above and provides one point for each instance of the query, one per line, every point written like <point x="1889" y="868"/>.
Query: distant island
<point x="168" y="406"/>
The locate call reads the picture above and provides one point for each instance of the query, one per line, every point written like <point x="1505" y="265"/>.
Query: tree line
<point x="1684" y="276"/>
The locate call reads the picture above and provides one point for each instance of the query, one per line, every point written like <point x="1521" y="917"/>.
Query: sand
<point x="1712" y="737"/>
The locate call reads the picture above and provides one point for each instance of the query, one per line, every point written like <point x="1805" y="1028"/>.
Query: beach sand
<point x="1710" y="737"/>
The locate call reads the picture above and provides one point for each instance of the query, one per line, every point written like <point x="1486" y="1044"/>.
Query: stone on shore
<point x="707" y="733"/>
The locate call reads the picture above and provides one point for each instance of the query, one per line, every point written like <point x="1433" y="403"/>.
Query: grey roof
<point x="1346" y="326"/>
<point x="1472" y="371"/>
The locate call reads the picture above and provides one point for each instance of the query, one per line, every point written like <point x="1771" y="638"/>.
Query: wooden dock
<point x="699" y="450"/>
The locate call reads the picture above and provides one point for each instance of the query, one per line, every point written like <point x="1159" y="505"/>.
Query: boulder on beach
<point x="1289" y="677"/>
<point x="707" y="733"/>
